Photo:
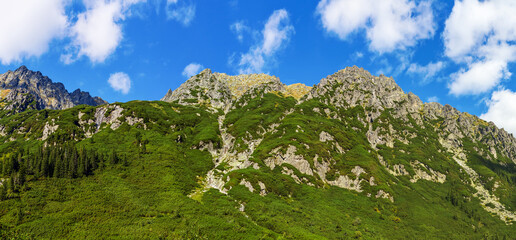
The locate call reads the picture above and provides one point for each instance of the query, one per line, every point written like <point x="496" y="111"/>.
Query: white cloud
<point x="276" y="32"/>
<point x="481" y="77"/>
<point x="428" y="71"/>
<point x="29" y="26"/>
<point x="501" y="110"/>
<point x="389" y="24"/>
<point x="184" y="13"/>
<point x="482" y="36"/>
<point x="239" y="28"/>
<point x="98" y="31"/>
<point x="120" y="82"/>
<point x="433" y="99"/>
<point x="192" y="69"/>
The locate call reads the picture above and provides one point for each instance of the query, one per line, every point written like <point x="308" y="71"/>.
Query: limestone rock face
<point x="18" y="100"/>
<point x="25" y="89"/>
<point x="348" y="115"/>
<point x="204" y="88"/>
<point x="220" y="90"/>
<point x="79" y="97"/>
<point x="355" y="86"/>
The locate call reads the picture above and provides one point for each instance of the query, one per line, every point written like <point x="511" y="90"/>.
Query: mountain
<point x="248" y="157"/>
<point x="406" y="136"/>
<point x="219" y="90"/>
<point x="26" y="89"/>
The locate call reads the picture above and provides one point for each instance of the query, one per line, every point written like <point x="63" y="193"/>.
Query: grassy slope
<point x="147" y="197"/>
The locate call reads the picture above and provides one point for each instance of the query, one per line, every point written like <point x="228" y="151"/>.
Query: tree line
<point x="57" y="161"/>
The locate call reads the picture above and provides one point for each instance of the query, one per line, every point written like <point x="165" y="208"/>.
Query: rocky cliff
<point x="25" y="89"/>
<point x="317" y="137"/>
<point x="247" y="156"/>
<point x="220" y="90"/>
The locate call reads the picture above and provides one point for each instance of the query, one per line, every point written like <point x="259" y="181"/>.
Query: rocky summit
<point x="398" y="126"/>
<point x="249" y="157"/>
<point x="220" y="90"/>
<point x="25" y="89"/>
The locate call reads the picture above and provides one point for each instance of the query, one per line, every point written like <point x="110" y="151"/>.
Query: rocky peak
<point x="220" y="90"/>
<point x="24" y="78"/>
<point x="355" y="86"/>
<point x="15" y="86"/>
<point x="240" y="84"/>
<point x="347" y="88"/>
<point x="168" y="95"/>
<point x="203" y="88"/>
<point x="80" y="97"/>
<point x="297" y="90"/>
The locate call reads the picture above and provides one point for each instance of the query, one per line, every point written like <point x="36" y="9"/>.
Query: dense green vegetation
<point x="134" y="181"/>
<point x="497" y="171"/>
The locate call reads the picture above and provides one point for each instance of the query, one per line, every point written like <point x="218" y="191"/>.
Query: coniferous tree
<point x="52" y="161"/>
<point x="2" y="167"/>
<point x="59" y="167"/>
<point x="11" y="183"/>
<point x="45" y="165"/>
<point x="81" y="168"/>
<point x="27" y="159"/>
<point x="13" y="165"/>
<point x="113" y="158"/>
<point x="22" y="176"/>
<point x="3" y="191"/>
<point x="72" y="171"/>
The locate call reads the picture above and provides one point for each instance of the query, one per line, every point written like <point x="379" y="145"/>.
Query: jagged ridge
<point x="23" y="88"/>
<point x="219" y="90"/>
<point x="380" y="103"/>
<point x="355" y="157"/>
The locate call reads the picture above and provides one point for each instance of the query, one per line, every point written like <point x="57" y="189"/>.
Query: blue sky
<point x="461" y="53"/>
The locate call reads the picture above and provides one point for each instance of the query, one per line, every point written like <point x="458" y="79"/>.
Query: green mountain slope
<point x="247" y="157"/>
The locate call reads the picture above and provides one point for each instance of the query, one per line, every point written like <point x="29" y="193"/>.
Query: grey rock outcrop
<point x="355" y="86"/>
<point x="79" y="97"/>
<point x="220" y="90"/>
<point x="25" y="89"/>
<point x="394" y="122"/>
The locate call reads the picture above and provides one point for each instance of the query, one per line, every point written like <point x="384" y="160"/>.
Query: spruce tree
<point x="3" y="191"/>
<point x="22" y="176"/>
<point x="11" y="183"/>
<point x="59" y="168"/>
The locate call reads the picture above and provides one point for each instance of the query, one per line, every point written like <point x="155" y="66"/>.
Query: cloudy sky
<point x="461" y="53"/>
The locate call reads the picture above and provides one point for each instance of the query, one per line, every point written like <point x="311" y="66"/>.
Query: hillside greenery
<point x="134" y="181"/>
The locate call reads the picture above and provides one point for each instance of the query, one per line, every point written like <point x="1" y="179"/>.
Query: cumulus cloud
<point x="276" y="32"/>
<point x="192" y="69"/>
<point x="501" y="110"/>
<point x="388" y="24"/>
<point x="120" y="82"/>
<point x="180" y="11"/>
<point x="428" y="71"/>
<point x="481" y="77"/>
<point x="29" y="26"/>
<point x="481" y="35"/>
<point x="97" y="31"/>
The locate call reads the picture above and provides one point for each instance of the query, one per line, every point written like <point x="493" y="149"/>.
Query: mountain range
<point x="245" y="157"/>
<point x="23" y="88"/>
